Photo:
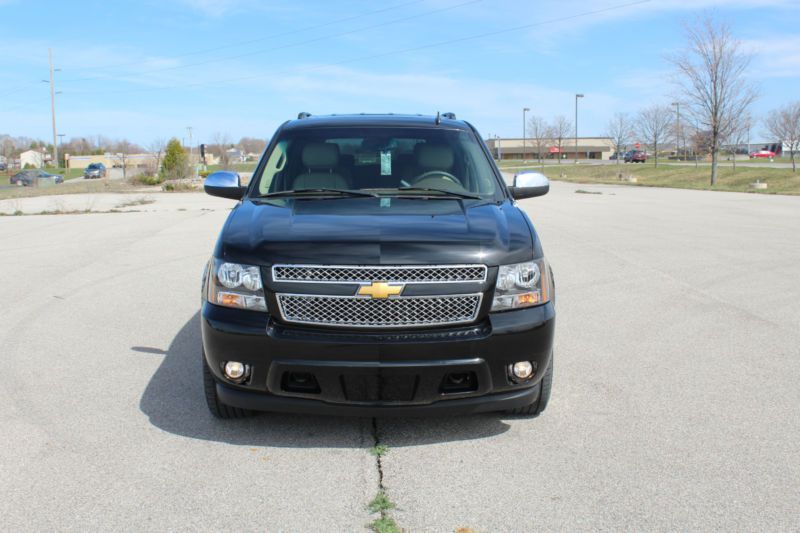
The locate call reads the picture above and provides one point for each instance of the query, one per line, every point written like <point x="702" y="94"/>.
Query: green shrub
<point x="149" y="180"/>
<point x="175" y="164"/>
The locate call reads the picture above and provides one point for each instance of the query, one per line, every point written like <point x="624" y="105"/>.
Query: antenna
<point x="438" y="118"/>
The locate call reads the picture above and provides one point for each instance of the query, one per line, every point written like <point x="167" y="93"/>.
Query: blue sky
<point x="147" y="69"/>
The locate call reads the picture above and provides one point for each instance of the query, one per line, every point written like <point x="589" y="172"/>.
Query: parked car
<point x="763" y="154"/>
<point x="636" y="156"/>
<point x="95" y="170"/>
<point x="3" y="166"/>
<point x="377" y="264"/>
<point x="27" y="177"/>
<point x="617" y="155"/>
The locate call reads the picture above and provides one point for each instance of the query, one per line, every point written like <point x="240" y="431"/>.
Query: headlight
<point x="522" y="285"/>
<point x="235" y="285"/>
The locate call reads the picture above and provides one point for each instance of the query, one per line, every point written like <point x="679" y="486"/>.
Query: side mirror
<point x="529" y="185"/>
<point x="225" y="184"/>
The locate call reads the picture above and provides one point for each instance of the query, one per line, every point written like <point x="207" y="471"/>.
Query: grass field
<point x="779" y="180"/>
<point x="67" y="173"/>
<point x="73" y="188"/>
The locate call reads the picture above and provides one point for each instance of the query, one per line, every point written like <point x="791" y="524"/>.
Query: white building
<point x="33" y="158"/>
<point x="235" y="155"/>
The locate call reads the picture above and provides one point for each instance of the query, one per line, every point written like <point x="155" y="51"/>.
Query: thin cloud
<point x="220" y="8"/>
<point x="775" y="57"/>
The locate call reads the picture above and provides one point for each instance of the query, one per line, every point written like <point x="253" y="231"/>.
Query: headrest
<point x="321" y="155"/>
<point x="438" y="156"/>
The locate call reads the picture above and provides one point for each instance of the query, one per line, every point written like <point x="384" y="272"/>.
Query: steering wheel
<point x="446" y="175"/>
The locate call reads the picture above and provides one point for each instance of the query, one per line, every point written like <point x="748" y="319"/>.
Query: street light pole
<point x="524" y="110"/>
<point x="576" y="127"/>
<point x="748" y="138"/>
<point x="677" y="130"/>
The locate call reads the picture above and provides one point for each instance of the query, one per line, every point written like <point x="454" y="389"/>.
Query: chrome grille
<point x="367" y="274"/>
<point x="353" y="311"/>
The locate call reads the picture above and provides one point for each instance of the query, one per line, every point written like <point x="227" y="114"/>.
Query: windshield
<point x="382" y="159"/>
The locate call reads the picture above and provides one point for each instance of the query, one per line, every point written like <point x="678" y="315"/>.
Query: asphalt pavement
<point x="675" y="403"/>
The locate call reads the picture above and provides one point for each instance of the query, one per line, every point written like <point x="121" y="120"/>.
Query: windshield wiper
<point x="321" y="190"/>
<point x="440" y="191"/>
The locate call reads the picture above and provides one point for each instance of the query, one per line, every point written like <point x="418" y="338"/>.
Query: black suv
<point x="374" y="265"/>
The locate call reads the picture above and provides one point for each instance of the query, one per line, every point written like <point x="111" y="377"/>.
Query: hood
<point x="376" y="231"/>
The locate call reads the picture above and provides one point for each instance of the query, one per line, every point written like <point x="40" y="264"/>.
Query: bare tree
<point x="123" y="149"/>
<point x="8" y="149"/>
<point x="738" y="135"/>
<point x="653" y="126"/>
<point x="221" y="143"/>
<point x="784" y="125"/>
<point x="539" y="132"/>
<point x="711" y="73"/>
<point x="251" y="145"/>
<point x="620" y="129"/>
<point x="157" y="148"/>
<point x="700" y="141"/>
<point x="559" y="132"/>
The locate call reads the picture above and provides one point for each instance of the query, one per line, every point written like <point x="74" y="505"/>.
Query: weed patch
<point x="380" y="503"/>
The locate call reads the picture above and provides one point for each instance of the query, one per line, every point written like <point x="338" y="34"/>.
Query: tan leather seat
<point x="321" y="161"/>
<point x="431" y="157"/>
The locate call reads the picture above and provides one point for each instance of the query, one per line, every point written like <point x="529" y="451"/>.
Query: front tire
<point x="217" y="408"/>
<point x="536" y="408"/>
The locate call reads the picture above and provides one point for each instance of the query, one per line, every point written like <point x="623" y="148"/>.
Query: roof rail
<point x="301" y="115"/>
<point x="451" y="116"/>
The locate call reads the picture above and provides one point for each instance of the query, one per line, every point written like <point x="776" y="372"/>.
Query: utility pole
<point x="576" y="127"/>
<point x="524" y="110"/>
<point x="189" y="130"/>
<point x="53" y="106"/>
<point x="192" y="166"/>
<point x="678" y="130"/>
<point x="61" y="147"/>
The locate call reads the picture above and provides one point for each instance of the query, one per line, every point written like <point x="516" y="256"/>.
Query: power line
<point x="393" y="52"/>
<point x="285" y="46"/>
<point x="260" y="39"/>
<point x="38" y="102"/>
<point x="20" y="88"/>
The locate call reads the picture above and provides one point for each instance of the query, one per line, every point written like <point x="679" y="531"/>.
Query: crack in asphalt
<point x="385" y="523"/>
<point x="378" y="463"/>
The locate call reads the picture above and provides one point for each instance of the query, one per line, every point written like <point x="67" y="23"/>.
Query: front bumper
<point x="378" y="373"/>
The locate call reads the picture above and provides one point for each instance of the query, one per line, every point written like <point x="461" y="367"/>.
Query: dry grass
<point x="779" y="180"/>
<point x="82" y="187"/>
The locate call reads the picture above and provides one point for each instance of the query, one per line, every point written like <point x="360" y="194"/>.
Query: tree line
<point x="712" y="112"/>
<point x="11" y="147"/>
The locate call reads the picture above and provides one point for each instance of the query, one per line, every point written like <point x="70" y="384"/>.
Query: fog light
<point x="522" y="369"/>
<point x="234" y="370"/>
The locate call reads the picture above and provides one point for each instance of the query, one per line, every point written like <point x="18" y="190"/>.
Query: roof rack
<point x="301" y="115"/>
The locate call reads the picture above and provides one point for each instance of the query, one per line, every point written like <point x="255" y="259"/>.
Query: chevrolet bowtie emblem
<point x="380" y="290"/>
